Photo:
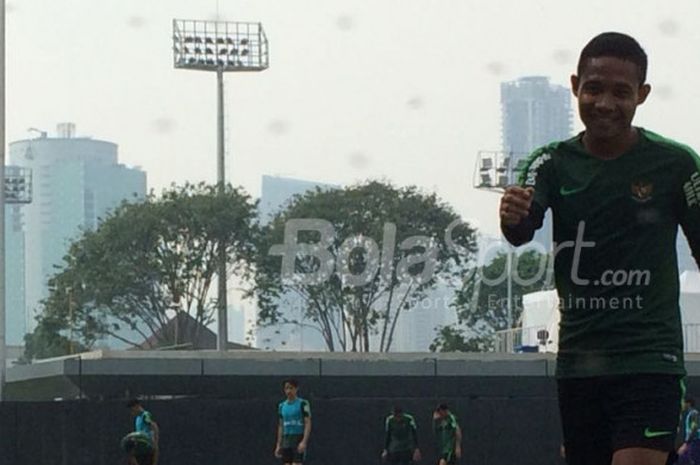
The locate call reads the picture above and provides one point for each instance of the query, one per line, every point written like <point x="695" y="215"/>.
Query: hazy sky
<point x="405" y="90"/>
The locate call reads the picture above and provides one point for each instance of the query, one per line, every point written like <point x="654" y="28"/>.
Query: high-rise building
<point x="276" y="193"/>
<point x="534" y="112"/>
<point x="416" y="327"/>
<point x="76" y="182"/>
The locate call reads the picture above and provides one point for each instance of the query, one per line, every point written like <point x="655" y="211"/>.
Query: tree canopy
<point x="356" y="258"/>
<point x="482" y="302"/>
<point x="142" y="264"/>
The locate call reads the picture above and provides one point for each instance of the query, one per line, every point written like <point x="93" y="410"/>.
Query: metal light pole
<point x="3" y="347"/>
<point x="495" y="171"/>
<point x="220" y="46"/>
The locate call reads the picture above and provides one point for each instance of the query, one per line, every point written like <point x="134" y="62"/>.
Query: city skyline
<point x="360" y="92"/>
<point x="77" y="181"/>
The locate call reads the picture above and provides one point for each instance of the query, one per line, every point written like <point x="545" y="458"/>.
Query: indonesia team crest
<point x="641" y="190"/>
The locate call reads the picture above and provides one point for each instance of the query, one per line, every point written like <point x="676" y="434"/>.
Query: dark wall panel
<point x="505" y="420"/>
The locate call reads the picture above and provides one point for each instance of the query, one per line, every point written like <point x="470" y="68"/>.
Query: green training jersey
<point x="400" y="433"/>
<point x="615" y="267"/>
<point x="446" y="433"/>
<point x="292" y="415"/>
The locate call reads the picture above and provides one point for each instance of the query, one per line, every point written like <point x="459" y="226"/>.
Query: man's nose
<point x="604" y="102"/>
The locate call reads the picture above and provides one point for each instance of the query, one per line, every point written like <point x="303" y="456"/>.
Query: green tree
<point x="482" y="302"/>
<point x="453" y="339"/>
<point x="145" y="261"/>
<point x="385" y="248"/>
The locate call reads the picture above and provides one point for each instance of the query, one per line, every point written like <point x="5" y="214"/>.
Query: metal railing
<point x="511" y="340"/>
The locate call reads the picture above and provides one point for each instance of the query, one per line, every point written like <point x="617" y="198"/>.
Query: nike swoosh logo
<point x="567" y="191"/>
<point x="654" y="434"/>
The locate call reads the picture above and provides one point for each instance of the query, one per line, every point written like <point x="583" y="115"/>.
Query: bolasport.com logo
<point x="381" y="258"/>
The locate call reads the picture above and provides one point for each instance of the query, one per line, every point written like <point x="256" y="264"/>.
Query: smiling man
<point x="618" y="194"/>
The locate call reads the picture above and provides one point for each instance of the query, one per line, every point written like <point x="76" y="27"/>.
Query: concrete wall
<point x="221" y="408"/>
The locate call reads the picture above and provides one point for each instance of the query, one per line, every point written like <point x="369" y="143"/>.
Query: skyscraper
<point x="534" y="112"/>
<point x="76" y="182"/>
<point x="416" y="327"/>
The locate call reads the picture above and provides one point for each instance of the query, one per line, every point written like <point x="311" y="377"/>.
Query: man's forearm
<point x="156" y="435"/>
<point x="525" y="230"/>
<point x="307" y="430"/>
<point x="279" y="435"/>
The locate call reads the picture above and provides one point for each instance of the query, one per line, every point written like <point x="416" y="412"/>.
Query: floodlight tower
<point x="220" y="46"/>
<point x="16" y="184"/>
<point x="495" y="171"/>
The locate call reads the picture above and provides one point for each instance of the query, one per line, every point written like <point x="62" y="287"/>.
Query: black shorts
<point x="603" y="414"/>
<point x="403" y="457"/>
<point x="292" y="455"/>
<point x="144" y="459"/>
<point x="448" y="457"/>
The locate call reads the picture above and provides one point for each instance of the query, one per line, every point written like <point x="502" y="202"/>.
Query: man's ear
<point x="574" y="85"/>
<point x="643" y="93"/>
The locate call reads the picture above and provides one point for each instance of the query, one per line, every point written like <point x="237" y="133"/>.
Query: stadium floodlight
<point x="496" y="169"/>
<point x="495" y="172"/>
<point x="220" y="39"/>
<point x="18" y="185"/>
<point x="485" y="180"/>
<point x="221" y="47"/>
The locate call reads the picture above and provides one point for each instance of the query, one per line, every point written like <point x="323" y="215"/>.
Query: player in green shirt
<point x="401" y="438"/>
<point x="448" y="435"/>
<point x="618" y="194"/>
<point x="147" y="428"/>
<point x="689" y="451"/>
<point x="293" y="425"/>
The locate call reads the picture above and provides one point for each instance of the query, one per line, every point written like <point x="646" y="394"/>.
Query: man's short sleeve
<point x="412" y="421"/>
<point x="305" y="409"/>
<point x="690" y="205"/>
<point x="453" y="421"/>
<point x="147" y="418"/>
<point x="691" y="422"/>
<point x="536" y="172"/>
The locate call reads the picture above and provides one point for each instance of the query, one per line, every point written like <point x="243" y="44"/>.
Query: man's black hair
<point x="133" y="402"/>
<point x="291" y="381"/>
<point x="690" y="400"/>
<point x="442" y="407"/>
<point x="397" y="409"/>
<point x="616" y="45"/>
